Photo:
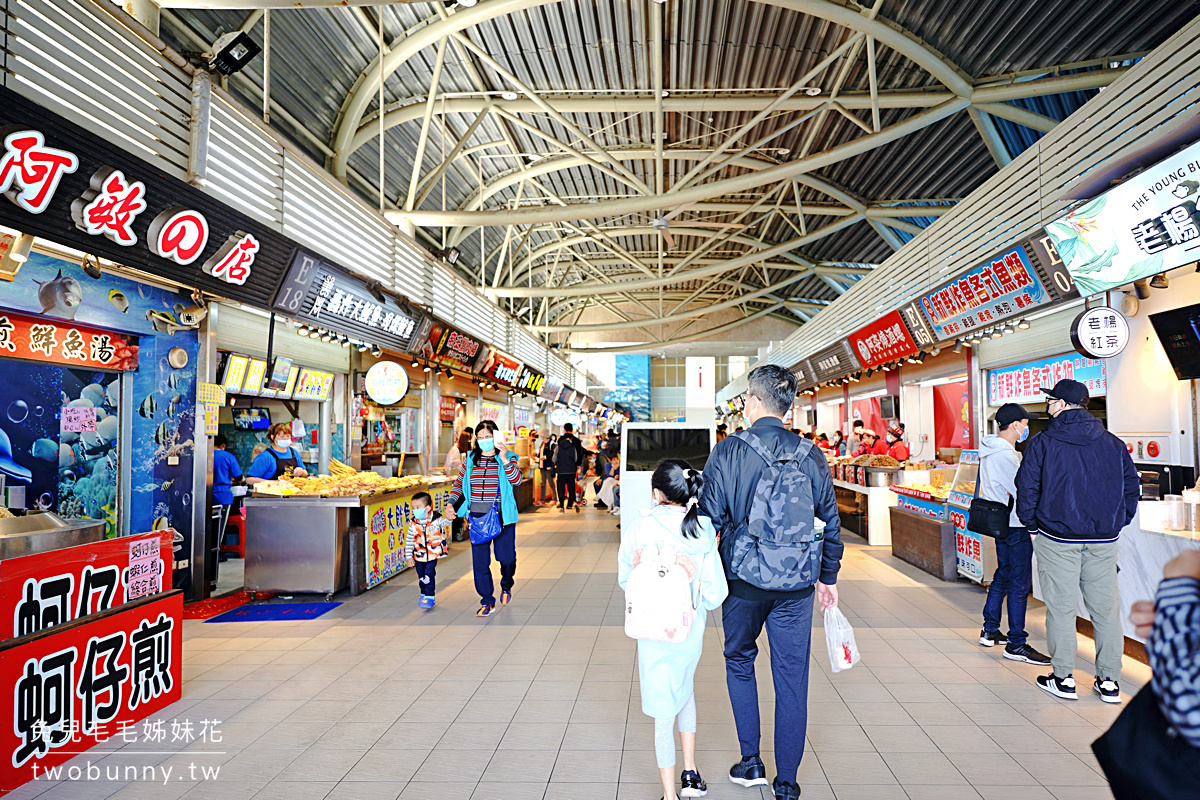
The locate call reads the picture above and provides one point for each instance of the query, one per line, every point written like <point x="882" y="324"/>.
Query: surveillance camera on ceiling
<point x="232" y="52"/>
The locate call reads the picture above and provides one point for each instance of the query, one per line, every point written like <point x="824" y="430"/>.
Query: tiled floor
<point x="379" y="700"/>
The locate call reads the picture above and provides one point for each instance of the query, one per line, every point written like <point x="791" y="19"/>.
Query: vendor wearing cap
<point x="897" y="449"/>
<point x="871" y="444"/>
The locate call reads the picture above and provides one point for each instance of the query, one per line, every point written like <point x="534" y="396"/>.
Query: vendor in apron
<point x="279" y="460"/>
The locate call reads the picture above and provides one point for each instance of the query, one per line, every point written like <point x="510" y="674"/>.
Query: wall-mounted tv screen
<point x="251" y="419"/>
<point x="1177" y="330"/>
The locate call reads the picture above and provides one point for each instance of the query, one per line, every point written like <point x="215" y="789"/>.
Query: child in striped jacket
<point x="428" y="539"/>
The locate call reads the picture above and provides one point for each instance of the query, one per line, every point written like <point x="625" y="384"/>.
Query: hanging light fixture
<point x="1023" y="324"/>
<point x="427" y="368"/>
<point x="958" y="345"/>
<point x="1008" y="328"/>
<point x="327" y="337"/>
<point x="996" y="333"/>
<point x="362" y="347"/>
<point x="414" y="364"/>
<point x="302" y="330"/>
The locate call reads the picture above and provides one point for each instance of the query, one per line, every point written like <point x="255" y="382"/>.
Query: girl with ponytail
<point x="674" y="526"/>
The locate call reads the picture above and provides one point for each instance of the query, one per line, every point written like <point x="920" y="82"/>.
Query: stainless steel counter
<point x="41" y="533"/>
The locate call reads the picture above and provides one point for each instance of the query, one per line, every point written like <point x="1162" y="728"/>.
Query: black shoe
<point x="1108" y="689"/>
<point x="749" y="772"/>
<point x="1023" y="652"/>
<point x="785" y="791"/>
<point x="693" y="784"/>
<point x="992" y="638"/>
<point x="601" y="505"/>
<point x="1059" y="687"/>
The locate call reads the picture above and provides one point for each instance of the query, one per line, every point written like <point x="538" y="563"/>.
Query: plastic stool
<point x="237" y="522"/>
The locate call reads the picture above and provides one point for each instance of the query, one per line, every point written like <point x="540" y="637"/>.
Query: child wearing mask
<point x="427" y="541"/>
<point x="667" y="670"/>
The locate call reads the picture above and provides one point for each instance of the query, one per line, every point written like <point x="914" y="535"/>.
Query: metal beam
<point x="991" y="137"/>
<point x="1021" y="116"/>
<point x="637" y="348"/>
<point x="888" y="235"/>
<point x="423" y="139"/>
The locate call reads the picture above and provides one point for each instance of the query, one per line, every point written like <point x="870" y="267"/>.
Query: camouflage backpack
<point x="777" y="548"/>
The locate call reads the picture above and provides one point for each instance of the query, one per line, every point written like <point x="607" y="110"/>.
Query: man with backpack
<point x="762" y="489"/>
<point x="568" y="455"/>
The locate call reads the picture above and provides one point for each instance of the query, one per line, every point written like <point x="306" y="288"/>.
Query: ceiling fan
<point x="663" y="225"/>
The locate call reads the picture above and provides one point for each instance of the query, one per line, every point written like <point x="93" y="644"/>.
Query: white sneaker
<point x="1108" y="690"/>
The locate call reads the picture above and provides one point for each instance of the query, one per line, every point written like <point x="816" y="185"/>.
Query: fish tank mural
<point x="80" y="475"/>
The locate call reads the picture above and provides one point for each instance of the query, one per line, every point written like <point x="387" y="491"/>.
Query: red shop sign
<point x="447" y="408"/>
<point x="43" y="590"/>
<point x="884" y="340"/>
<point x="501" y="368"/>
<point x="68" y="689"/>
<point x="64" y="342"/>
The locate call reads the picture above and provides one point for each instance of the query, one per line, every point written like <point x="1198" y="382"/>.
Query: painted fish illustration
<point x="161" y="435"/>
<point x="60" y="297"/>
<point x="167" y="485"/>
<point x="173" y="381"/>
<point x="148" y="407"/>
<point x="107" y="429"/>
<point x="164" y="322"/>
<point x="119" y="300"/>
<point x="161" y="524"/>
<point x="10" y="468"/>
<point x="44" y="449"/>
<point x="171" y="409"/>
<point x="66" y="455"/>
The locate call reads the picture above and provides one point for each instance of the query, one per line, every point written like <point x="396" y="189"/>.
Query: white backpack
<point x="658" y="596"/>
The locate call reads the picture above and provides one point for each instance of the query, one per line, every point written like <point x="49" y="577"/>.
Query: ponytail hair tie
<point x="693" y="501"/>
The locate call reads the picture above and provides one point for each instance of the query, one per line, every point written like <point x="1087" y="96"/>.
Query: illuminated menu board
<point x="235" y="373"/>
<point x="256" y="372"/>
<point x="313" y="385"/>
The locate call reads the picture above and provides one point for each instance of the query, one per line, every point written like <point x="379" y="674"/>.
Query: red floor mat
<point x="205" y="609"/>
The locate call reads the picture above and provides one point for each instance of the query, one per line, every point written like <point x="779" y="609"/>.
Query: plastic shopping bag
<point x="839" y="636"/>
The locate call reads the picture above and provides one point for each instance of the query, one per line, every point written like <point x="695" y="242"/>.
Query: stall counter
<point x="878" y="519"/>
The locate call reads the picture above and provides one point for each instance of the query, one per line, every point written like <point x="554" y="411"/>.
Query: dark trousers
<point x="506" y="555"/>
<point x="566" y="490"/>
<point x="789" y="630"/>
<point x="1013" y="579"/>
<point x="426" y="576"/>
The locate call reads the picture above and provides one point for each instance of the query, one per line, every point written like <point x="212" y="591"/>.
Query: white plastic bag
<point x="839" y="636"/>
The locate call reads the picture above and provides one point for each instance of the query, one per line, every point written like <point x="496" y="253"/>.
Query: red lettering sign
<point x="30" y="171"/>
<point x="110" y="206"/>
<point x="179" y="234"/>
<point x="64" y="342"/>
<point x="886" y="339"/>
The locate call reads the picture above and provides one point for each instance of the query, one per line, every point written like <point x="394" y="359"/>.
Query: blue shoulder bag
<point x="486" y="526"/>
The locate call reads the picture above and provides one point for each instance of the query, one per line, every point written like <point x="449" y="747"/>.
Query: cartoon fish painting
<point x="148" y="407"/>
<point x="119" y="300"/>
<point x="161" y="524"/>
<point x="171" y="409"/>
<point x="167" y="485"/>
<point x="173" y="380"/>
<point x="44" y="449"/>
<point x="164" y="322"/>
<point x="161" y="435"/>
<point x="66" y="455"/>
<point x="60" y="297"/>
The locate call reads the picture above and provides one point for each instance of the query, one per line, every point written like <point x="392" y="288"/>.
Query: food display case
<point x="861" y="485"/>
<point x="975" y="555"/>
<point x="43" y="532"/>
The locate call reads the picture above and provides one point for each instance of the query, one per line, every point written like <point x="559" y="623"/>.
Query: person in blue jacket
<point x="225" y="470"/>
<point x="279" y="460"/>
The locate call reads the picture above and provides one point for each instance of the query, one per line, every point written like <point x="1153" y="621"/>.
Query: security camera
<point x="232" y="52"/>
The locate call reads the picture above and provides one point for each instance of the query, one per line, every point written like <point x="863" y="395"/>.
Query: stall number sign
<point x="1022" y="383"/>
<point x="1100" y="332"/>
<point x="71" y="689"/>
<point x="78" y="420"/>
<point x="66" y="343"/>
<point x="386" y="383"/>
<point x="313" y="385"/>
<point x="1005" y="287"/>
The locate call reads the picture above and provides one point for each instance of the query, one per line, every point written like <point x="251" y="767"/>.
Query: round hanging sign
<point x="1100" y="332"/>
<point x="386" y="383"/>
<point x="561" y="416"/>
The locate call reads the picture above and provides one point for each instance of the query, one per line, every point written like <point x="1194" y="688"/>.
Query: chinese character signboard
<point x="73" y="687"/>
<point x="64" y="342"/>
<point x="501" y="368"/>
<point x="386" y="383"/>
<point x="1007" y="286"/>
<point x="64" y="183"/>
<point x="387" y="525"/>
<point x="78" y="420"/>
<point x="313" y="384"/>
<point x="1100" y="332"/>
<point x="832" y="362"/>
<point x="447" y="408"/>
<point x="444" y="345"/>
<point x="531" y="380"/>
<point x="1022" y="383"/>
<point x="884" y="340"/>
<point x="42" y="590"/>
<point x="804" y="375"/>
<point x="492" y="411"/>
<point x="328" y="297"/>
<point x="1145" y="225"/>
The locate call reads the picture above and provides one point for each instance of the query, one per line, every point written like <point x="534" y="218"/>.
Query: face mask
<point x="421" y="513"/>
<point x="486" y="445"/>
<point x="1024" y="434"/>
<point x="282" y="442"/>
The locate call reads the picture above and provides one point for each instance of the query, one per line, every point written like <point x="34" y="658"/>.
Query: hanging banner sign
<point x="1100" y="332"/>
<point x="87" y="682"/>
<point x="884" y="340"/>
<point x="550" y="389"/>
<point x="1145" y="225"/>
<point x="804" y="374"/>
<point x="328" y="297"/>
<point x="69" y="185"/>
<point x="531" y="380"/>
<point x="832" y="362"/>
<point x="444" y="345"/>
<point x="1022" y="383"/>
<point x="386" y="383"/>
<point x="501" y="368"/>
<point x="64" y="342"/>
<point x="1007" y="286"/>
<point x="447" y="409"/>
<point x="491" y="411"/>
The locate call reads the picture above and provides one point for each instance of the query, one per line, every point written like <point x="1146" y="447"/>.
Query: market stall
<point x="922" y="533"/>
<point x="861" y="485"/>
<point x="297" y="530"/>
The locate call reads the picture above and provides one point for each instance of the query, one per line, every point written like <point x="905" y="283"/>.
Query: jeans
<point x="789" y="632"/>
<point x="566" y="490"/>
<point x="1065" y="571"/>
<point x="426" y="577"/>
<point x="506" y="555"/>
<point x="1013" y="579"/>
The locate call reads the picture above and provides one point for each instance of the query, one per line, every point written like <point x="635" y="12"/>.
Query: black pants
<point x="566" y="490"/>
<point x="426" y="577"/>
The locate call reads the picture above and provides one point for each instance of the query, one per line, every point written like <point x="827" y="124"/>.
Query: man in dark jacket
<point x="568" y="455"/>
<point x="1077" y="488"/>
<point x="731" y="478"/>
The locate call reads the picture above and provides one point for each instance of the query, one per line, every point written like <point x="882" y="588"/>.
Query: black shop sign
<point x="833" y="362"/>
<point x="65" y="184"/>
<point x="326" y="296"/>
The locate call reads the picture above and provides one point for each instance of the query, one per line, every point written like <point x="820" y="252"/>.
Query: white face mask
<point x="486" y="445"/>
<point x="283" y="442"/>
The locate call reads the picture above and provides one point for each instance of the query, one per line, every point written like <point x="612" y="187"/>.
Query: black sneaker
<point x="1023" y="652"/>
<point x="1108" y="690"/>
<point x="992" y="638"/>
<point x="749" y="772"/>
<point x="785" y="791"/>
<point x="1059" y="687"/>
<point x="693" y="785"/>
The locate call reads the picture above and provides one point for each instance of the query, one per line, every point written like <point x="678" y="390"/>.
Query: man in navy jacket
<point x="1077" y="488"/>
